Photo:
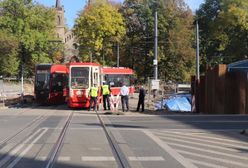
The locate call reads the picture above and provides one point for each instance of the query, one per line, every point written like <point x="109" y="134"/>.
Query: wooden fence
<point x="222" y="92"/>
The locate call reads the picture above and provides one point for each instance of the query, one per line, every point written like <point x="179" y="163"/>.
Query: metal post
<point x="197" y="53"/>
<point x="149" y="92"/>
<point x="22" y="83"/>
<point x="155" y="61"/>
<point x="118" y="55"/>
<point x="90" y="56"/>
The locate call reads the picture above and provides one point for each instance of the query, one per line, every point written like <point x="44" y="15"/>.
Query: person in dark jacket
<point x="142" y="94"/>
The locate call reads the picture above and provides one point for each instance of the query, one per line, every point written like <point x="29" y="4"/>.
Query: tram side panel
<point x="50" y="80"/>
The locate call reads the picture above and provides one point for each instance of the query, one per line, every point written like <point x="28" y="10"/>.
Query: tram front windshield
<point x="116" y="80"/>
<point x="42" y="80"/>
<point x="79" y="77"/>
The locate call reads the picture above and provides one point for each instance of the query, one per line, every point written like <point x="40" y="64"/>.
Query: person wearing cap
<point x="124" y="97"/>
<point x="93" y="96"/>
<point x="105" y="94"/>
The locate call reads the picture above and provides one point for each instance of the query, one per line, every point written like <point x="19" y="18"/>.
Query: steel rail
<point x="29" y="125"/>
<point x="57" y="146"/>
<point x="33" y="122"/>
<point x="117" y="152"/>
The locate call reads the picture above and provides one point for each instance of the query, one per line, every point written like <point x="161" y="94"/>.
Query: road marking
<point x="15" y="150"/>
<point x="95" y="149"/>
<point x="225" y="145"/>
<point x="171" y="151"/>
<point x="206" y="164"/>
<point x="18" y="158"/>
<point x="146" y="158"/>
<point x="209" y="151"/>
<point x="197" y="143"/>
<point x="227" y="161"/>
<point x="97" y="158"/>
<point x="41" y="158"/>
<point x="64" y="158"/>
<point x="207" y="137"/>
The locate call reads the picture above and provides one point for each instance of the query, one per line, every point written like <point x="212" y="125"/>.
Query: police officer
<point x="105" y="93"/>
<point x="93" y="96"/>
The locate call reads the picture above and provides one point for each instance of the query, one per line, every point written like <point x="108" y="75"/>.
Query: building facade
<point x="66" y="36"/>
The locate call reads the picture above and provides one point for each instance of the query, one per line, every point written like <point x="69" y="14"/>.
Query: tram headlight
<point x="79" y="93"/>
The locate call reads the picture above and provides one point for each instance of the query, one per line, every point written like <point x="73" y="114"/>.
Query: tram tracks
<point x="28" y="126"/>
<point x="24" y="138"/>
<point x="59" y="143"/>
<point x="119" y="156"/>
<point x="116" y="150"/>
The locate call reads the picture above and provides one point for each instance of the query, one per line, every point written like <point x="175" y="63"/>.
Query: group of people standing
<point x="124" y="92"/>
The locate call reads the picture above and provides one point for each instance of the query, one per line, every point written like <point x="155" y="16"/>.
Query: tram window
<point x="116" y="80"/>
<point x="79" y="77"/>
<point x="57" y="82"/>
<point x="42" y="80"/>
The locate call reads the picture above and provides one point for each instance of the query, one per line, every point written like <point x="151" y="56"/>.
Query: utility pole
<point x="90" y="56"/>
<point x="197" y="53"/>
<point x="155" y="61"/>
<point x="118" y="55"/>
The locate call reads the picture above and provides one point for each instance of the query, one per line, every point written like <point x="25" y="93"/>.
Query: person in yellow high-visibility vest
<point x="105" y="94"/>
<point x="93" y="96"/>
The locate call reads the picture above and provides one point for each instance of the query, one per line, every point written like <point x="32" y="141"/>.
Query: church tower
<point x="60" y="21"/>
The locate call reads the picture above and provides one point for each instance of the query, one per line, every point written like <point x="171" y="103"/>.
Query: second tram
<point x="116" y="76"/>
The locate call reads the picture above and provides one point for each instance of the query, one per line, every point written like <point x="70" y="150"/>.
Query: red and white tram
<point x="116" y="76"/>
<point x="82" y="76"/>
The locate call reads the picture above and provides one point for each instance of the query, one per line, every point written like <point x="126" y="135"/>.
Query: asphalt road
<point x="29" y="136"/>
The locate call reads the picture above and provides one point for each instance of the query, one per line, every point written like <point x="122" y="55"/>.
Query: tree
<point x="98" y="27"/>
<point x="224" y="31"/>
<point x="33" y="25"/>
<point x="9" y="61"/>
<point x="176" y="54"/>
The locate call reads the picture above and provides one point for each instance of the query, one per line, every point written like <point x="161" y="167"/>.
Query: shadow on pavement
<point x="33" y="163"/>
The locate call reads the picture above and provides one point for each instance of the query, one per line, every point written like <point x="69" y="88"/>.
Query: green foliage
<point x="176" y="55"/>
<point x="33" y="25"/>
<point x="224" y="31"/>
<point x="9" y="61"/>
<point x="99" y="27"/>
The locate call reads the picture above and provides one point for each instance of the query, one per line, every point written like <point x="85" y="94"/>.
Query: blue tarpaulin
<point x="179" y="102"/>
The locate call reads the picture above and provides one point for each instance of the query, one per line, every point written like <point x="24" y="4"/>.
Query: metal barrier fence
<point x="12" y="88"/>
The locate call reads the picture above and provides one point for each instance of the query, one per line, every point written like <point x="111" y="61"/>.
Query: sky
<point x="72" y="7"/>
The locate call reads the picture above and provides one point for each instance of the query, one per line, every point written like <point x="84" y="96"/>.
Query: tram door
<point x="95" y="76"/>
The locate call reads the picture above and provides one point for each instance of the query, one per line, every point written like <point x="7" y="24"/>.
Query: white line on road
<point x="202" y="139"/>
<point x="146" y="158"/>
<point x="41" y="158"/>
<point x="207" y="136"/>
<point x="97" y="158"/>
<point x="206" y="164"/>
<point x="227" y="161"/>
<point x="209" y="151"/>
<point x="18" y="158"/>
<point x="171" y="151"/>
<point x="181" y="140"/>
<point x="13" y="152"/>
<point x="64" y="158"/>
